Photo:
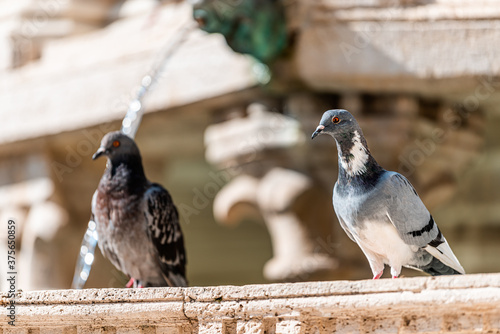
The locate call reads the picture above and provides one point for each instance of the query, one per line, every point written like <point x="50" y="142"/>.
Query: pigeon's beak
<point x="318" y="131"/>
<point x="100" y="151"/>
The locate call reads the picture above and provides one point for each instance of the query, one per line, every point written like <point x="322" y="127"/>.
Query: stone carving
<point x="259" y="152"/>
<point x="28" y="196"/>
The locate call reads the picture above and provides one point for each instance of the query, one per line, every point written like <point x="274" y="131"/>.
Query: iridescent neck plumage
<point x="355" y="159"/>
<point x="127" y="169"/>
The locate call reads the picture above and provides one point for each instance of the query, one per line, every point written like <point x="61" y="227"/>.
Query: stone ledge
<point x="421" y="304"/>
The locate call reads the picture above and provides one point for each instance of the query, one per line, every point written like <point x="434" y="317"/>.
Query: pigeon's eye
<point x="335" y="120"/>
<point x="116" y="143"/>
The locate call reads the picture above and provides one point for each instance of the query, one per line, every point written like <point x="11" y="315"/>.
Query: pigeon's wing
<point x="166" y="235"/>
<point x="406" y="211"/>
<point x="412" y="220"/>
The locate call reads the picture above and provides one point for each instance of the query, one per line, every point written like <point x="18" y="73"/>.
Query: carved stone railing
<point x="458" y="304"/>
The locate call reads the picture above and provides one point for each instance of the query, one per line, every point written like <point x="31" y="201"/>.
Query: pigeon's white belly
<point x="381" y="241"/>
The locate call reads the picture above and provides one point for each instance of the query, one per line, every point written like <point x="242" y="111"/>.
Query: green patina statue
<point x="255" y="27"/>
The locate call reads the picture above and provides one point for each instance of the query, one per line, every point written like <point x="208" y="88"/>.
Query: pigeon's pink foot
<point x="140" y="286"/>
<point x="130" y="283"/>
<point x="378" y="275"/>
<point x="393" y="277"/>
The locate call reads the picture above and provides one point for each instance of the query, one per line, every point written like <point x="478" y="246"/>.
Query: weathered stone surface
<point x="250" y="327"/>
<point x="459" y="304"/>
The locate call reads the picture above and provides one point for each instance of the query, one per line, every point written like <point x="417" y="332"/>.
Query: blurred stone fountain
<point x="260" y="149"/>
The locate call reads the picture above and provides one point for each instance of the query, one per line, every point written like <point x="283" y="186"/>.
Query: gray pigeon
<point x="137" y="221"/>
<point x="380" y="210"/>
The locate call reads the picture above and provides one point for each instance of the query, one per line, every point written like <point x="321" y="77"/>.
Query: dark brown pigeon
<point x="137" y="221"/>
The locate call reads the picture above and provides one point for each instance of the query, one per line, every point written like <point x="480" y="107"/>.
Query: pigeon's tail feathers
<point x="437" y="268"/>
<point x="443" y="254"/>
<point x="176" y="279"/>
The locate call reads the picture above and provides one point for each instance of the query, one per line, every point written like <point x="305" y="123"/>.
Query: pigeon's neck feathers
<point x="355" y="159"/>
<point x="125" y="171"/>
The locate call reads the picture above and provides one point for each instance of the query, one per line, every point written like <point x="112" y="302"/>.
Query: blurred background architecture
<point x="227" y="126"/>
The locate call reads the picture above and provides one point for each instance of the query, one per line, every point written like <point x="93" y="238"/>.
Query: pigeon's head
<point x="336" y="123"/>
<point x="115" y="145"/>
